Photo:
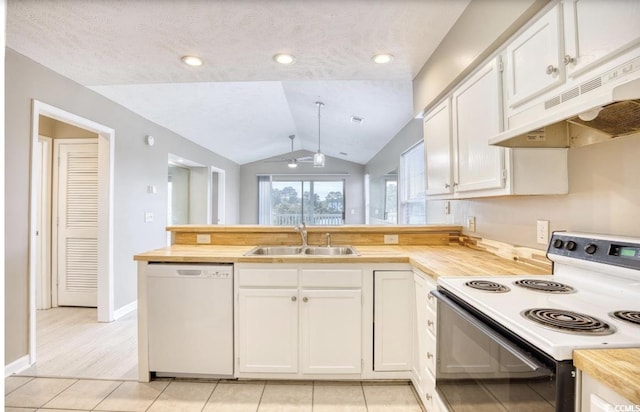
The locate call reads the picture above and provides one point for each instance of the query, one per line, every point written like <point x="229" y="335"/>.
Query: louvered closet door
<point x="77" y="224"/>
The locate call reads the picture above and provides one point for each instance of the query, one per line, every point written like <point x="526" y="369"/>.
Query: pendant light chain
<point x="318" y="158"/>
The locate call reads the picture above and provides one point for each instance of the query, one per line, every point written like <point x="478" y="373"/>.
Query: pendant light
<point x="318" y="158"/>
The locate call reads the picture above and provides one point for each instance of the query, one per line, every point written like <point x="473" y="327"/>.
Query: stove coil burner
<point x="487" y="286"/>
<point x="568" y="322"/>
<point x="544" y="286"/>
<point x="627" y="315"/>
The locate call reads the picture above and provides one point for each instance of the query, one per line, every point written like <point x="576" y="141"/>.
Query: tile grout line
<point x="18" y="387"/>
<point x="264" y="386"/>
<point x="171" y="380"/>
<point x="107" y="395"/>
<point x="206" y="402"/>
<point x="366" y="406"/>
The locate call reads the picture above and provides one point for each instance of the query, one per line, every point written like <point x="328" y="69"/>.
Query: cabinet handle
<point x="430" y="323"/>
<point x="428" y="396"/>
<point x="293" y="298"/>
<point x="430" y="296"/>
<point x="551" y="69"/>
<point x="305" y="299"/>
<point x="567" y="60"/>
<point x="447" y="185"/>
<point x="429" y="355"/>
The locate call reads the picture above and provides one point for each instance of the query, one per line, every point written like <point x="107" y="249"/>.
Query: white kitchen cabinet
<point x="438" y="150"/>
<point x="331" y="322"/>
<point x="268" y="330"/>
<point x="294" y="321"/>
<point x="481" y="170"/>
<point x="477" y="109"/>
<point x="424" y="341"/>
<point x="393" y="320"/>
<point x="595" y="396"/>
<point x="534" y="59"/>
<point x="596" y="30"/>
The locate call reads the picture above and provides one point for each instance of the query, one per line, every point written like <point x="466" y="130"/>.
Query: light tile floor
<point x="24" y="394"/>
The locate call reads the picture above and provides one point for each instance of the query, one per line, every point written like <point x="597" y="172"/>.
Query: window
<point x="412" y="185"/>
<point x="284" y="201"/>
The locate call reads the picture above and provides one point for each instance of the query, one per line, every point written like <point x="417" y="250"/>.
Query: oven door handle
<point x="532" y="363"/>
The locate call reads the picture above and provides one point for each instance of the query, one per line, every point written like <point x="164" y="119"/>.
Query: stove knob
<point x="558" y="243"/>
<point x="571" y="245"/>
<point x="590" y="249"/>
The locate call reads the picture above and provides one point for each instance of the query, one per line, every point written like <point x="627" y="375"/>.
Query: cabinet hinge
<point x="500" y="64"/>
<point x="504" y="174"/>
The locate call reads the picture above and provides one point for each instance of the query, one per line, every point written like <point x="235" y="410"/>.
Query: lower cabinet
<point x="331" y="322"/>
<point x="393" y="320"/>
<point x="299" y="322"/>
<point x="424" y="343"/>
<point x="268" y="330"/>
<point x="595" y="396"/>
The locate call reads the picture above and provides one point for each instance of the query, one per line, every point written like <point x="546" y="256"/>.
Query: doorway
<point x="89" y="162"/>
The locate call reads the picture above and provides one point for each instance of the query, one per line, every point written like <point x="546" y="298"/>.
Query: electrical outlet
<point x="390" y="239"/>
<point x="203" y="239"/>
<point x="148" y="217"/>
<point x="542" y="232"/>
<point x="447" y="207"/>
<point x="471" y="223"/>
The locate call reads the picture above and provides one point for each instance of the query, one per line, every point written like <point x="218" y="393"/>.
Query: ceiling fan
<point x="292" y="161"/>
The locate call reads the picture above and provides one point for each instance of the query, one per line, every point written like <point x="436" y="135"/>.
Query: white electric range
<point x="592" y="300"/>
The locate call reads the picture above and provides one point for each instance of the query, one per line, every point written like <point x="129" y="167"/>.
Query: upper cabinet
<point x="596" y="30"/>
<point x="534" y="62"/>
<point x="437" y="146"/>
<point x="477" y="109"/>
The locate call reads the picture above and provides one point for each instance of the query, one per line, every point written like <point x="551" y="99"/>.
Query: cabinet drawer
<point x="349" y="278"/>
<point x="268" y="277"/>
<point x="431" y="321"/>
<point x="429" y="388"/>
<point x="430" y="353"/>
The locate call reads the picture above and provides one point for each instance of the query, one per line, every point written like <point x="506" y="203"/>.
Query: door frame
<point x="44" y="238"/>
<point x="106" y="146"/>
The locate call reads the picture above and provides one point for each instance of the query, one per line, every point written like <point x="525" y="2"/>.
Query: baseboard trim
<point x="17" y="366"/>
<point x="125" y="310"/>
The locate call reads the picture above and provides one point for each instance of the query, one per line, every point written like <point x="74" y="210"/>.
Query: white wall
<point x="354" y="185"/>
<point x="136" y="166"/>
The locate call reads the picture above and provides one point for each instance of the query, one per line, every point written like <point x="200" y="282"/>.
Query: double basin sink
<point x="302" y="250"/>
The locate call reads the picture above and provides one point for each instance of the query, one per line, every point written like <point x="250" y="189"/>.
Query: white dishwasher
<point x="190" y="311"/>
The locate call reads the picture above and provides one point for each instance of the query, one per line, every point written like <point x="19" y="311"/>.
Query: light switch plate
<point x="148" y="217"/>
<point x="471" y="223"/>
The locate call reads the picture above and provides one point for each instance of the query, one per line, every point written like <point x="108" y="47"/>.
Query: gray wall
<point x="354" y="185"/>
<point x="136" y="166"/>
<point x="386" y="160"/>
<point x="482" y="27"/>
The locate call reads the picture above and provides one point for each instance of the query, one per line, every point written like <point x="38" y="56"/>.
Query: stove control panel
<point x="618" y="251"/>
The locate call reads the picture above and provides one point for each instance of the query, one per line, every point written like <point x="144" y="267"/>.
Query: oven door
<point x="480" y="368"/>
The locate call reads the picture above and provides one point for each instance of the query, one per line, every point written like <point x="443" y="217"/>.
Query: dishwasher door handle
<point x="189" y="272"/>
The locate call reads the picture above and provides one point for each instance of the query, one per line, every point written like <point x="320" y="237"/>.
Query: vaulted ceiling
<point x="240" y="103"/>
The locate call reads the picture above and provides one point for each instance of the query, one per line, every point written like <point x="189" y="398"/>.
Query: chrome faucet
<point x="303" y="233"/>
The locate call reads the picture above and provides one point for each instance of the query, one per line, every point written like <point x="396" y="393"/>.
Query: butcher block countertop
<point x="433" y="260"/>
<point x="619" y="369"/>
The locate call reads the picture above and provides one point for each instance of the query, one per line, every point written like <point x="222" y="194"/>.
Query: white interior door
<point x="76" y="212"/>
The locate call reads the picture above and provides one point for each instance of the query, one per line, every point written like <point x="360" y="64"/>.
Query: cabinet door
<point x="268" y="330"/>
<point x="437" y="146"/>
<point x="534" y="59"/>
<point x="331" y="331"/>
<point x="596" y="30"/>
<point x="477" y="112"/>
<point x="393" y="306"/>
<point x="420" y="331"/>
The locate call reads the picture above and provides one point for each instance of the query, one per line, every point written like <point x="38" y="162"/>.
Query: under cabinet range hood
<point x="600" y="109"/>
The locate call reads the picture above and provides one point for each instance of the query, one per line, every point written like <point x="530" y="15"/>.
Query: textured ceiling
<point x="129" y="51"/>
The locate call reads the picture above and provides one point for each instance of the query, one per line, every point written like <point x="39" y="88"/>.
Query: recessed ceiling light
<point x="382" y="58"/>
<point x="194" y="61"/>
<point x="284" y="58"/>
<point x="356" y="119"/>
